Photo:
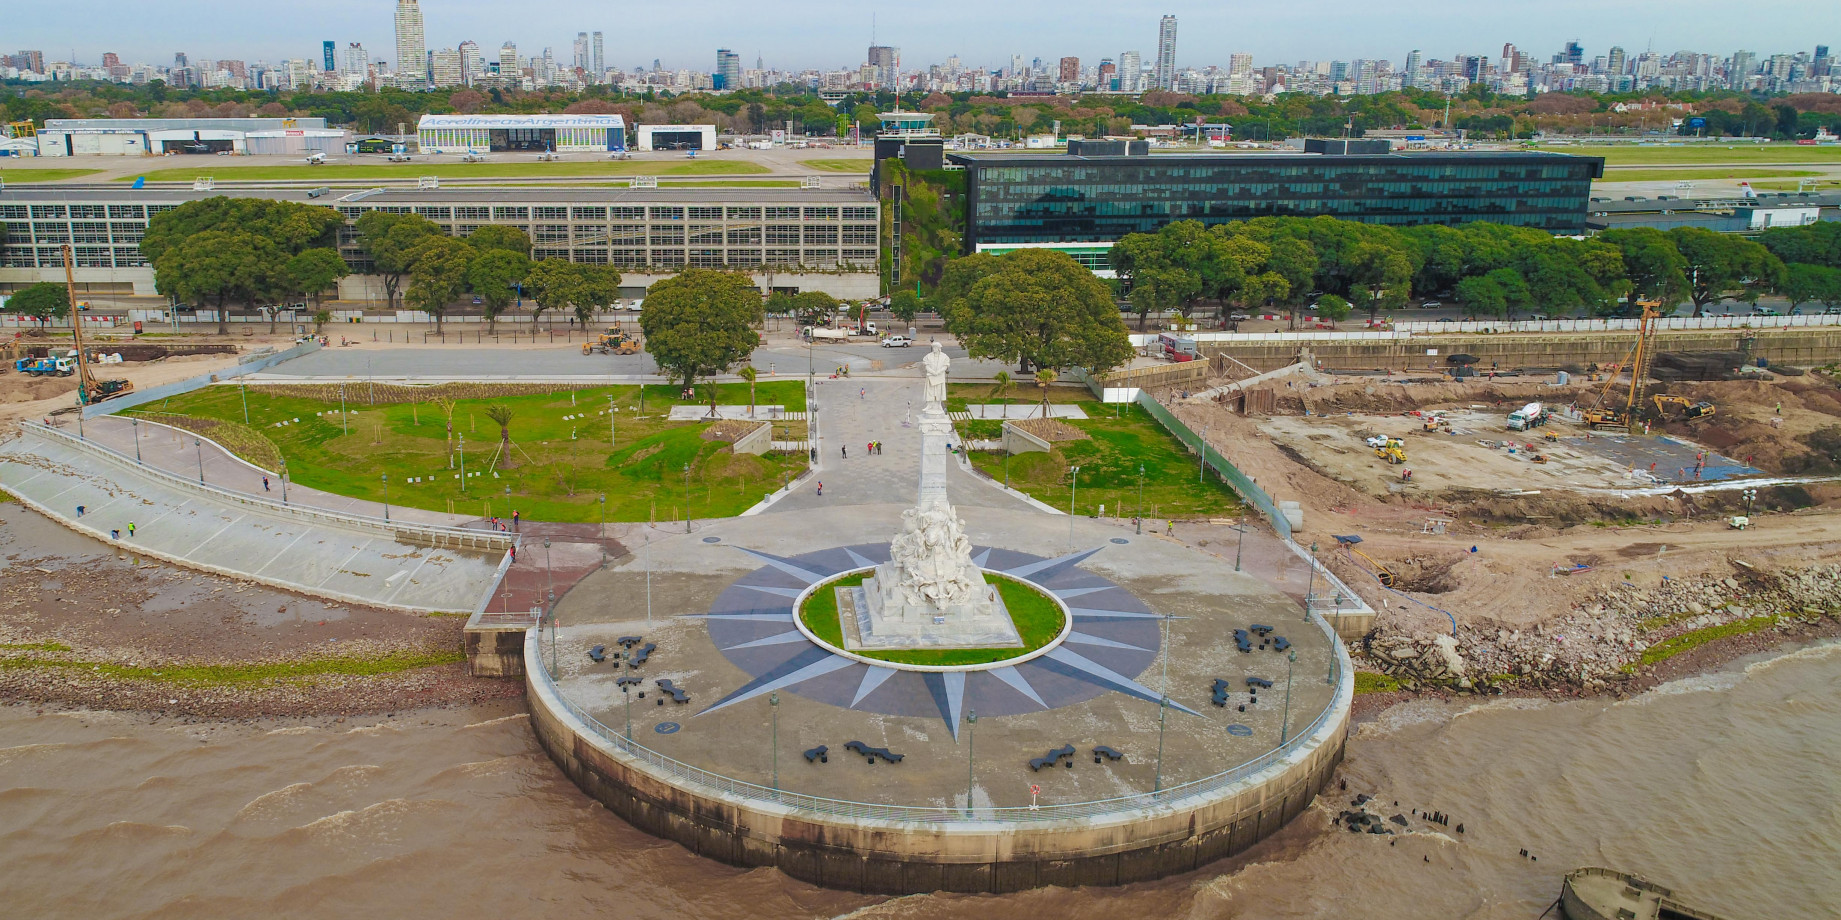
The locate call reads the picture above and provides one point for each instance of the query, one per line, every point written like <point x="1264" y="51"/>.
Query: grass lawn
<point x="454" y="170"/>
<point x="16" y="175"/>
<point x="1720" y="154"/>
<point x="1038" y="620"/>
<point x="1733" y="172"/>
<point x="1122" y="439"/>
<point x="842" y="166"/>
<point x="564" y="464"/>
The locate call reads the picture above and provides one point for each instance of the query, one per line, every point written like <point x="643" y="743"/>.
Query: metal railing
<point x="427" y="534"/>
<point x="1121" y="806"/>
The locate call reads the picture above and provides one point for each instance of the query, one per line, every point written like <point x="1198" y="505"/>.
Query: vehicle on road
<point x="897" y="341"/>
<point x="1431" y="305"/>
<point x="45" y="367"/>
<point x="821" y="334"/>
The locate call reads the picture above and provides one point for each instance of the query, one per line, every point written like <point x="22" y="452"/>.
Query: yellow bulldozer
<point x="612" y="342"/>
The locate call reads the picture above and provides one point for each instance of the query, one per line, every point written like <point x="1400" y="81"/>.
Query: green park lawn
<point x="1699" y="154"/>
<point x="564" y="465"/>
<point x="1730" y="172"/>
<point x="1122" y="438"/>
<point x="1038" y="620"/>
<point x="456" y="170"/>
<point x="861" y="165"/>
<point x="21" y="174"/>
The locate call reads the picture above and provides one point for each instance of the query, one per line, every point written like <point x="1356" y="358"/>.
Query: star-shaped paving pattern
<point x="1114" y="637"/>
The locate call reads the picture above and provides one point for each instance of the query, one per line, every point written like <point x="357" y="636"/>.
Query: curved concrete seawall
<point x="826" y="844"/>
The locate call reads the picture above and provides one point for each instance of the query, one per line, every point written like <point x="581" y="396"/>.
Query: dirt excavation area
<point x="1565" y="560"/>
<point x="28" y="397"/>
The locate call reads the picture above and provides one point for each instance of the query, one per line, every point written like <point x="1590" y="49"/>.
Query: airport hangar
<point x="496" y="133"/>
<point x="63" y="137"/>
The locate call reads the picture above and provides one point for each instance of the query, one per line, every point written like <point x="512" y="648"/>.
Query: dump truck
<point x="46" y="367"/>
<point x="1532" y="415"/>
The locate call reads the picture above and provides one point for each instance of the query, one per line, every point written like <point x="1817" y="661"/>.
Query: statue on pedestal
<point x="935" y="364"/>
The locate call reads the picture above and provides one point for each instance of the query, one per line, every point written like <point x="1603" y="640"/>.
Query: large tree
<point x="389" y="240"/>
<point x="1654" y="269"/>
<point x="1722" y="266"/>
<point x="310" y="272"/>
<point x="492" y="275"/>
<point x="43" y="301"/>
<point x="1804" y="282"/>
<point x="222" y="266"/>
<point x="501" y="236"/>
<point x="1041" y="309"/>
<point x="1814" y="244"/>
<point x="437" y="274"/>
<point x="289" y="226"/>
<point x="701" y="322"/>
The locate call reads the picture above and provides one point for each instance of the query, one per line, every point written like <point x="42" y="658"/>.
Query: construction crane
<point x="1638" y="360"/>
<point x="89" y="390"/>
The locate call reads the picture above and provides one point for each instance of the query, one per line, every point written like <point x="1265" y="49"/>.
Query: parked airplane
<point x="316" y="159"/>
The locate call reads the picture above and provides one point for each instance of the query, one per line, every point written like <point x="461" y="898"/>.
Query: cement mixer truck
<point x="1529" y="416"/>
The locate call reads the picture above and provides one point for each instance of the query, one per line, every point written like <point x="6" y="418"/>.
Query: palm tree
<point x="748" y="373"/>
<point x="1003" y="383"/>
<point x="446" y="405"/>
<point x="502" y="414"/>
<point x="1044" y="377"/>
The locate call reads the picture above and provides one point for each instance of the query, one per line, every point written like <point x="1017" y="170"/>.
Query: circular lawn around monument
<point x="1039" y="620"/>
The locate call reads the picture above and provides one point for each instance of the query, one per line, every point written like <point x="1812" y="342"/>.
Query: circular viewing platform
<point x="1183" y="711"/>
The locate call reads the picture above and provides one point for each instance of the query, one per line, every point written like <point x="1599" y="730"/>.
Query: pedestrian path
<point x="142" y="513"/>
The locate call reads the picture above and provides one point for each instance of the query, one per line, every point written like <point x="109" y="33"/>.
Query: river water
<point x="1722" y="785"/>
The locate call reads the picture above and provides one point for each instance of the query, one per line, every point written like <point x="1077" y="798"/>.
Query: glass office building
<point x="1068" y="199"/>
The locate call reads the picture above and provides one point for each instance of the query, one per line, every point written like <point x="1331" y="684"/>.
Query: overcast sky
<point x="800" y="34"/>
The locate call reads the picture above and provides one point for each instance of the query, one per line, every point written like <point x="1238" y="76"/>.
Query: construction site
<point x="1552" y="516"/>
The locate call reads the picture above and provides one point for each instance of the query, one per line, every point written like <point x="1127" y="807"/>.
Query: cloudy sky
<point x="799" y="34"/>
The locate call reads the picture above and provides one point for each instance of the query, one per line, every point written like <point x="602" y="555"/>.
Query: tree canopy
<point x="1041" y="309"/>
<point x="701" y="322"/>
<point x="389" y="240"/>
<point x="43" y="301"/>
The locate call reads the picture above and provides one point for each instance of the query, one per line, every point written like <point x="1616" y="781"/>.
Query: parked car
<point x="1763" y="311"/>
<point x="1431" y="305"/>
<point x="897" y="341"/>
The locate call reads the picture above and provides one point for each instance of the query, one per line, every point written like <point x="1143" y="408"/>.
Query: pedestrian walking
<point x="1171" y="529"/>
<point x="514" y="520"/>
<point x="821" y="488"/>
<point x="130" y="528"/>
<point x="1780" y="408"/>
<point x="862" y="392"/>
<point x="846" y="449"/>
<point x="514" y="552"/>
<point x="869" y="448"/>
<point x="265" y="483"/>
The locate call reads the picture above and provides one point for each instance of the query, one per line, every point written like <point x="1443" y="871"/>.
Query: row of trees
<point x="1491" y="270"/>
<point x="251" y="251"/>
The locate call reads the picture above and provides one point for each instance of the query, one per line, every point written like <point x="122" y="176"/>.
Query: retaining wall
<point x="1795" y="346"/>
<point x="950" y="854"/>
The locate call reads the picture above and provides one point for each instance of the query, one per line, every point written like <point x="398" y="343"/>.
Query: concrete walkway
<point x="193" y="529"/>
<point x="171" y="449"/>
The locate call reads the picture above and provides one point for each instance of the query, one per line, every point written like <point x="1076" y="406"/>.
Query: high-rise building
<point x="111" y="59"/>
<point x="1240" y="63"/>
<point x="1744" y="64"/>
<point x="1108" y="71"/>
<point x="328" y="56"/>
<point x="1574" y="54"/>
<point x="1070" y="70"/>
<point x="472" y="62"/>
<point x="445" y="67"/>
<point x="1616" y="62"/>
<point x="728" y="72"/>
<point x="885" y="60"/>
<point x="356" y="60"/>
<point x="509" y="65"/>
<point x="1822" y="65"/>
<point x="600" y="61"/>
<point x="411" y="48"/>
<point x="1409" y="75"/>
<point x="581" y="60"/>
<point x="1166" y="53"/>
<point x="1131" y="72"/>
<point x="178" y="59"/>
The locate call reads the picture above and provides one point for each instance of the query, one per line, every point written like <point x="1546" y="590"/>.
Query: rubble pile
<point x="1595" y="644"/>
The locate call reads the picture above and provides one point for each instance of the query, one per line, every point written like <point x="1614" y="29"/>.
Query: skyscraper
<point x="1131" y="72"/>
<point x="1108" y="71"/>
<point x="1166" y="53"/>
<point x="356" y="60"/>
<point x="328" y="56"/>
<point x="472" y="63"/>
<point x="509" y="66"/>
<point x="1574" y="54"/>
<point x="886" y="62"/>
<point x="1070" y="70"/>
<point x="411" y="48"/>
<point x="1615" y="61"/>
<point x="728" y="74"/>
<point x="600" y="61"/>
<point x="581" y="61"/>
<point x="1409" y="76"/>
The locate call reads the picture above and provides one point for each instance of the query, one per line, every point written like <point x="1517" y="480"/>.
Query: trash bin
<point x="137" y="327"/>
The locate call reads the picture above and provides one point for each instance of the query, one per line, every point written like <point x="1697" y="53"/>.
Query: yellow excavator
<point x="1689" y="410"/>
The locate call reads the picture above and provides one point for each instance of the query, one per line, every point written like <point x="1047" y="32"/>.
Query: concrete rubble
<point x="1594" y="646"/>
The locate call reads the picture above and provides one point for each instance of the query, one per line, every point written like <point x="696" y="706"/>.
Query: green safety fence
<point x="1241" y="483"/>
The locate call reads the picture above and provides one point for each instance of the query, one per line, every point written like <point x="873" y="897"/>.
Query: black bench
<point x="818" y="754"/>
<point x="625" y="682"/>
<point x="677" y="696"/>
<point x="628" y="641"/>
<point x="1280" y="644"/>
<point x="1221" y="691"/>
<point x="1262" y="629"/>
<point x="598" y="654"/>
<point x="1100" y="750"/>
<point x="1259" y="682"/>
<point x="641" y="654"/>
<point x="873" y="752"/>
<point x="1053" y="757"/>
<point x="1241" y="639"/>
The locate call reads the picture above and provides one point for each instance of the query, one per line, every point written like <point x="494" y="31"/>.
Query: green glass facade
<point x="1062" y="199"/>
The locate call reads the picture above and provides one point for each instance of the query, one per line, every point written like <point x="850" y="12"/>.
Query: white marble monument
<point x="929" y="594"/>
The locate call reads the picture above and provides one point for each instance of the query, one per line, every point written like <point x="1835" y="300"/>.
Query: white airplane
<point x="473" y="156"/>
<point x="316" y="159"/>
<point x="399" y="158"/>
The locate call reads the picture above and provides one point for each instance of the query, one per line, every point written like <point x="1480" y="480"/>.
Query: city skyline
<point x="685" y="38"/>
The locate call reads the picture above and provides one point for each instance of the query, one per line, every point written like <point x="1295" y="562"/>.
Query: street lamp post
<point x="602" y="533"/>
<point x="344" y="421"/>
<point x="1241" y="542"/>
<point x="461" y="446"/>
<point x="626" y="690"/>
<point x="687" y="498"/>
<point x="1284" y="730"/>
<point x="549" y="574"/>
<point x="137" y="438"/>
<point x="1071" y="496"/>
<point x="385" y="477"/>
<point x="284" y="481"/>
<point x="1310" y="592"/>
<point x="1139" y="517"/>
<point x="971" y="722"/>
<point x="1201" y="456"/>
<point x="648" y="553"/>
<point x="1163" y="704"/>
<point x="245" y="389"/>
<point x="200" y="447"/>
<point x="610" y="422"/>
<point x="773" y="704"/>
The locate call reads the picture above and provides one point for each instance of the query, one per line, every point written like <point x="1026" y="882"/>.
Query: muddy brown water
<point x="1721" y="785"/>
